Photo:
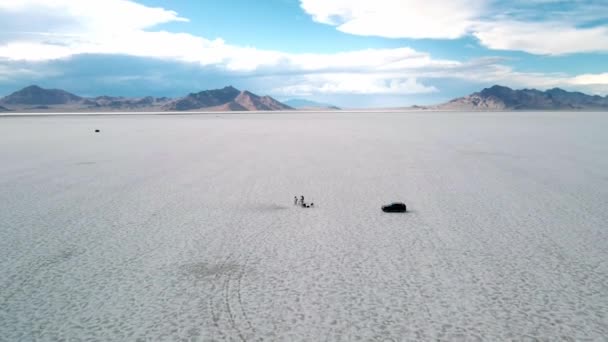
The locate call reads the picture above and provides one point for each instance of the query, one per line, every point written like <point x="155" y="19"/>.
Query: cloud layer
<point x="87" y="28"/>
<point x="397" y="18"/>
<point x="40" y="38"/>
<point x="548" y="27"/>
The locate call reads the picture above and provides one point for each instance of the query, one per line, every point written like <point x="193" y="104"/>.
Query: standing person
<point x="302" y="200"/>
<point x="295" y="200"/>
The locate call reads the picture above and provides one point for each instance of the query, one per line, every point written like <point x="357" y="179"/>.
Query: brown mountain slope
<point x="34" y="95"/>
<point x="228" y="98"/>
<point x="504" y="98"/>
<point x="34" y="98"/>
<point x="226" y="107"/>
<point x="37" y="98"/>
<point x="204" y="99"/>
<point x="252" y="101"/>
<point x="119" y="102"/>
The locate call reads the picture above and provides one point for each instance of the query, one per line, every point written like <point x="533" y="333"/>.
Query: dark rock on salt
<point x="396" y="207"/>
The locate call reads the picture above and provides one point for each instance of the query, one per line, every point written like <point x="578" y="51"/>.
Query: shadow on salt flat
<point x="42" y="265"/>
<point x="265" y="207"/>
<point x="480" y="153"/>
<point x="203" y="270"/>
<point x="63" y="256"/>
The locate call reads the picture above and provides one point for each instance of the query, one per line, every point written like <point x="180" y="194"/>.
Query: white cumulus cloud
<point x="397" y="18"/>
<point x="39" y="31"/>
<point x="544" y="38"/>
<point x="354" y="84"/>
<point x="122" y="27"/>
<point x="515" y="25"/>
<point x="587" y="79"/>
<point x="92" y="16"/>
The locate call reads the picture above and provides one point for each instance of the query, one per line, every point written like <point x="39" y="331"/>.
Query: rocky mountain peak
<point x="35" y="95"/>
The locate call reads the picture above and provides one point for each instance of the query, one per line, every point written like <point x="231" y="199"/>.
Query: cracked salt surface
<point x="183" y="227"/>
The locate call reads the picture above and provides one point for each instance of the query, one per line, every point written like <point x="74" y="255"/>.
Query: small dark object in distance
<point x="96" y="131"/>
<point x="396" y="207"/>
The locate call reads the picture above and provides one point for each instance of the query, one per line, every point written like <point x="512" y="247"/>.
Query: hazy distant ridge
<point x="503" y="98"/>
<point x="34" y="95"/>
<point x="307" y="104"/>
<point x="203" y="99"/>
<point x="35" y="98"/>
<point x="225" y="99"/>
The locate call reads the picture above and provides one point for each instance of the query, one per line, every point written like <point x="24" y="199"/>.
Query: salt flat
<point x="183" y="227"/>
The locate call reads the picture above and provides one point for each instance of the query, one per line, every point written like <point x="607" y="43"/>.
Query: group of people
<point x="301" y="202"/>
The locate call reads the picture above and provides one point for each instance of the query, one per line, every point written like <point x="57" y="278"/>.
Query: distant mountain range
<point x="504" y="98"/>
<point x="34" y="95"/>
<point x="227" y="98"/>
<point x="307" y="104"/>
<point x="35" y="98"/>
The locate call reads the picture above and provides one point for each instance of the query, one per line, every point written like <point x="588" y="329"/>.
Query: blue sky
<point x="350" y="53"/>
